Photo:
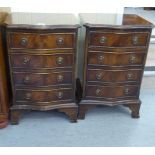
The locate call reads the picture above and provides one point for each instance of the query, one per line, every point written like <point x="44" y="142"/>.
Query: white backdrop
<point x="63" y="6"/>
<point x="73" y="6"/>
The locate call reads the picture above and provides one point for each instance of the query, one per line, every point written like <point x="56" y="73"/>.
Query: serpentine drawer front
<point x="42" y="40"/>
<point x="43" y="79"/>
<point x="45" y="96"/>
<point x="120" y="75"/>
<point x="115" y="54"/>
<point x="115" y="59"/>
<point x="119" y="39"/>
<point x="111" y="92"/>
<point x="43" y="63"/>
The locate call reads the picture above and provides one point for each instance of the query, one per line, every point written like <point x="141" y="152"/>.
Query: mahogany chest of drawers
<point x="115" y="52"/>
<point x="42" y="56"/>
<point x="3" y="77"/>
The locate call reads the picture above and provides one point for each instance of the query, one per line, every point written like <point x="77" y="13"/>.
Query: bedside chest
<point x="3" y="78"/>
<point x="42" y="55"/>
<point x="115" y="52"/>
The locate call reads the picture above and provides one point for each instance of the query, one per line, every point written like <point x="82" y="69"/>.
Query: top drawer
<point x="114" y="39"/>
<point x="41" y="41"/>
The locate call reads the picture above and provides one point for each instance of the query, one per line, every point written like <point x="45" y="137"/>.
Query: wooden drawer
<point x="41" y="41"/>
<point x="46" y="61"/>
<point x="102" y="75"/>
<point x="42" y="79"/>
<point x="115" y="59"/>
<point x="114" y="39"/>
<point x="43" y="96"/>
<point x="111" y="92"/>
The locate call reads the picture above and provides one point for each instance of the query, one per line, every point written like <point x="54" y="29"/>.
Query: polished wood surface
<point x="119" y="39"/>
<point x="38" y="79"/>
<point x="3" y="77"/>
<point x="118" y="76"/>
<point x="111" y="92"/>
<point x="116" y="47"/>
<point x="42" y="41"/>
<point x="44" y="97"/>
<point x="115" y="59"/>
<point x="42" y="63"/>
<point x="38" y="61"/>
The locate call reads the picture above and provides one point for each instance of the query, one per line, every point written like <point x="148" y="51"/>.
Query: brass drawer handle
<point x="24" y="42"/>
<point x="126" y="91"/>
<point x="99" y="76"/>
<point x="135" y="40"/>
<point x="59" y="60"/>
<point x="130" y="76"/>
<point x="26" y="80"/>
<point x="100" y="58"/>
<point x="60" y="41"/>
<point x="60" y="78"/>
<point x="28" y="96"/>
<point x="103" y="40"/>
<point x="60" y="95"/>
<point x="132" y="59"/>
<point x="98" y="92"/>
<point x="26" y="60"/>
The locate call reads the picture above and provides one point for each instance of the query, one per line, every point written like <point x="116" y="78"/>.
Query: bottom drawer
<point x="111" y="92"/>
<point x="44" y="96"/>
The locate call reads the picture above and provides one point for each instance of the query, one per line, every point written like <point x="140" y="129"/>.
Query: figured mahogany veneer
<point x="50" y="96"/>
<point x="43" y="63"/>
<point x="108" y="93"/>
<point x="38" y="79"/>
<point x="118" y="39"/>
<point x="42" y="40"/>
<point x="115" y="59"/>
<point x="118" y="76"/>
<point x="115" y="54"/>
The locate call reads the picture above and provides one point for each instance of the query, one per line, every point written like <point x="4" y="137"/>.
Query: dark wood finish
<point x="118" y="76"/>
<point x="115" y="56"/>
<point x="115" y="59"/>
<point x="41" y="40"/>
<point x="44" y="61"/>
<point x="111" y="92"/>
<point x="117" y="39"/>
<point x="37" y="97"/>
<point x="83" y="109"/>
<point x="3" y="78"/>
<point x="134" y="109"/>
<point x="15" y="116"/>
<point x="79" y="90"/>
<point x="37" y="79"/>
<point x="72" y="113"/>
<point x="149" y="8"/>
<point x="42" y="64"/>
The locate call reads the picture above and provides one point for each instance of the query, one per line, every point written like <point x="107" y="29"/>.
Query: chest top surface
<point x="114" y="20"/>
<point x="42" y="20"/>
